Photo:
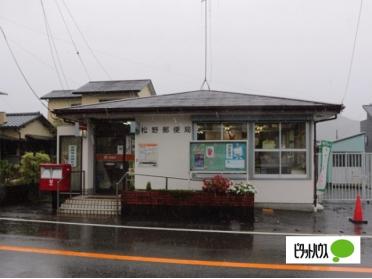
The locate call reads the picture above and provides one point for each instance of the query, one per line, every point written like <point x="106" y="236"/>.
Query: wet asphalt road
<point x="163" y="244"/>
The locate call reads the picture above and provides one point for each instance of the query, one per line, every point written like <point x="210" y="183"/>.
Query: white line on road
<point x="167" y="229"/>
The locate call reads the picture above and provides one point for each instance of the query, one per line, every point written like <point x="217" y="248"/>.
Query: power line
<point x="72" y="41"/>
<point x="85" y="40"/>
<point x="33" y="55"/>
<point x="50" y="45"/>
<point x="352" y="53"/>
<point x="20" y="69"/>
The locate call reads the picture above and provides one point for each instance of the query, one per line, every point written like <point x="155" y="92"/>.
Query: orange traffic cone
<point x="358" y="213"/>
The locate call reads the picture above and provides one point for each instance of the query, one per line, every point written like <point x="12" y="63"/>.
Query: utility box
<point x="55" y="177"/>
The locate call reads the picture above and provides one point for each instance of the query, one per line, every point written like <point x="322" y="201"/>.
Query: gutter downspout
<point x="315" y="202"/>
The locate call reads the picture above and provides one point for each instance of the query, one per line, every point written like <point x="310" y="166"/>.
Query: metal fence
<point x="349" y="174"/>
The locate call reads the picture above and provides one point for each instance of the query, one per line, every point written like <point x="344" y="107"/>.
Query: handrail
<point x="82" y="186"/>
<point x="117" y="189"/>
<point x="162" y="176"/>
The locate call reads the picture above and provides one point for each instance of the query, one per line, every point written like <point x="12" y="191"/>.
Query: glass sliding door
<point x="110" y="155"/>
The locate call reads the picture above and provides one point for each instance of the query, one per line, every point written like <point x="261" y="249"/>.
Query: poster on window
<point x="235" y="157"/>
<point x="210" y="152"/>
<point x="148" y="154"/>
<point x="72" y="155"/>
<point x="218" y="156"/>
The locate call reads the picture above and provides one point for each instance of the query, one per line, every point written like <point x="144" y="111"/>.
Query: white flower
<point x="242" y="188"/>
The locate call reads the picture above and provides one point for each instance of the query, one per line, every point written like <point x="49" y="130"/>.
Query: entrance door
<point x="110" y="157"/>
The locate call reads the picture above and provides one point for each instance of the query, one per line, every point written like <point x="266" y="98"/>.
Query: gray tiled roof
<point x="368" y="109"/>
<point x="60" y="94"/>
<point x="16" y="120"/>
<point x="114" y="86"/>
<point x="201" y="99"/>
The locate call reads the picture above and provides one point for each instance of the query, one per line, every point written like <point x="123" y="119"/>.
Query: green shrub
<point x="148" y="186"/>
<point x="5" y="172"/>
<point x="30" y="166"/>
<point x="9" y="174"/>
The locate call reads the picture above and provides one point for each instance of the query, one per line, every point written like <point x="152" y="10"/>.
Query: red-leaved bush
<point x="217" y="184"/>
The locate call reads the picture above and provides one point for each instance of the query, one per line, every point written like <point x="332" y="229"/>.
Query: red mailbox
<point x="54" y="176"/>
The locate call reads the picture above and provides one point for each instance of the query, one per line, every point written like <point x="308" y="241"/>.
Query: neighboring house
<point x="95" y="92"/>
<point x="23" y="132"/>
<point x="193" y="135"/>
<point x="366" y="126"/>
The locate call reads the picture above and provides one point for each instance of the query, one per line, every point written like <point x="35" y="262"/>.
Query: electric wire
<point x="347" y="85"/>
<point x="51" y="46"/>
<point x="72" y="41"/>
<point x="33" y="55"/>
<point x="55" y="48"/>
<point x="85" y="40"/>
<point x="21" y="71"/>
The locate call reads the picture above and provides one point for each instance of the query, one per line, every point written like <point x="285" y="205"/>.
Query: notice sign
<point x="323" y="249"/>
<point x="148" y="154"/>
<point x="72" y="155"/>
<point x="235" y="157"/>
<point x="218" y="156"/>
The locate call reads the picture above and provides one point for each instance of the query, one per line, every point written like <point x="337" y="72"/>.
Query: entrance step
<point x="91" y="205"/>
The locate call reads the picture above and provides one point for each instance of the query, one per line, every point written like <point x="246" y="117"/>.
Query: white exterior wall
<point x="173" y="152"/>
<point x="88" y="158"/>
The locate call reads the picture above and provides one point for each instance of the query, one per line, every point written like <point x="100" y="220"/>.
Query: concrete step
<point x="88" y="205"/>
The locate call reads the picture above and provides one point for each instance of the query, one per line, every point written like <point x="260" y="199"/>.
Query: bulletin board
<point x="218" y="156"/>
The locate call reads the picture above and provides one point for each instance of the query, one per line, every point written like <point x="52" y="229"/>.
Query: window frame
<point x="280" y="150"/>
<point x="220" y="123"/>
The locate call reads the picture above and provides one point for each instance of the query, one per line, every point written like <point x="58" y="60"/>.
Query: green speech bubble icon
<point x="341" y="249"/>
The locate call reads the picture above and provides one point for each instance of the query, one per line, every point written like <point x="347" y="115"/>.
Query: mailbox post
<point x="55" y="178"/>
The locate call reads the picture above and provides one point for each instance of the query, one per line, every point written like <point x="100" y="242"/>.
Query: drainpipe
<point x="315" y="203"/>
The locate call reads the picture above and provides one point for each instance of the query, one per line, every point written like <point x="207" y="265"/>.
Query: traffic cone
<point x="358" y="213"/>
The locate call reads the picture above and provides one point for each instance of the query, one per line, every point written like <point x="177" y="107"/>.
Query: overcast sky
<point x="289" y="48"/>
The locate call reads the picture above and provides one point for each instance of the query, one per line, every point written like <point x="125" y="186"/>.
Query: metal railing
<point x="117" y="189"/>
<point x="162" y="176"/>
<point x="349" y="175"/>
<point x="70" y="193"/>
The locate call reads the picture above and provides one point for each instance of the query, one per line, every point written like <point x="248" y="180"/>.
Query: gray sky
<point x="290" y="48"/>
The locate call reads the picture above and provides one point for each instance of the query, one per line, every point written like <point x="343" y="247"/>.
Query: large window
<point x="280" y="148"/>
<point x="221" y="131"/>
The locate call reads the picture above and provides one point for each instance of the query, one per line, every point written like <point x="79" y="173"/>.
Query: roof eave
<point x="305" y="109"/>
